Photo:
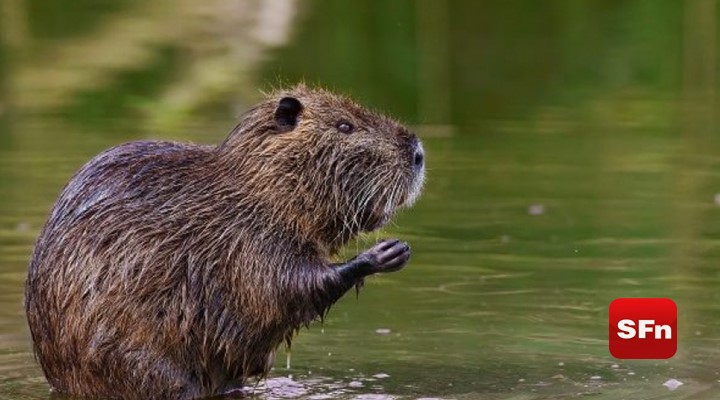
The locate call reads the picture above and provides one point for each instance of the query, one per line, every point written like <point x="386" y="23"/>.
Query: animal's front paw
<point x="389" y="255"/>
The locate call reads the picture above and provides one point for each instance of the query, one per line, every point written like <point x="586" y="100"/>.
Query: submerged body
<point x="171" y="270"/>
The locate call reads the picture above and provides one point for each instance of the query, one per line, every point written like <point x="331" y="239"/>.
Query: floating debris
<point x="374" y="397"/>
<point x="595" y="377"/>
<point x="355" y="384"/>
<point x="383" y="331"/>
<point x="536" y="209"/>
<point x="23" y="227"/>
<point x="615" y="366"/>
<point x="561" y="364"/>
<point x="381" y="375"/>
<point x="672" y="384"/>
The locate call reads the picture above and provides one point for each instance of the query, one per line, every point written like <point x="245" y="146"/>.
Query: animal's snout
<point x="419" y="158"/>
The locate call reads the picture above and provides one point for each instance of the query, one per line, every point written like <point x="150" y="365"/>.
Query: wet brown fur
<point x="171" y="270"/>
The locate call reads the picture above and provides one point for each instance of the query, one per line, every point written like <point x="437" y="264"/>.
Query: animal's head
<point x="329" y="167"/>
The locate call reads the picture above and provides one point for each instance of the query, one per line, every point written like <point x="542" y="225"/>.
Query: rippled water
<point x="502" y="297"/>
<point x="571" y="160"/>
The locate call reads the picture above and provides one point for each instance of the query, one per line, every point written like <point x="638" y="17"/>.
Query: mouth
<point x="416" y="187"/>
<point x="378" y="212"/>
<point x="378" y="223"/>
<point x="376" y="217"/>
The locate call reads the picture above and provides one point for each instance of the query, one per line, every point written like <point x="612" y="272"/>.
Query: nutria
<point x="174" y="270"/>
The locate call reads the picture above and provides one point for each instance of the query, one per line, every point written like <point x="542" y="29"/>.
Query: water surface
<point x="572" y="159"/>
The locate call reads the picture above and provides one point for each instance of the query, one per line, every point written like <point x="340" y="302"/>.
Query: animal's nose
<point x="419" y="158"/>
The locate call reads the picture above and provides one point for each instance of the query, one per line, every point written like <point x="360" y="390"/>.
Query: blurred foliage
<point x="365" y="48"/>
<point x="500" y="60"/>
<point x="506" y="57"/>
<point x="130" y="92"/>
<point x="50" y="20"/>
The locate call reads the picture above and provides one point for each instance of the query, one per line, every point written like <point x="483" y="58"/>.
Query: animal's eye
<point x="345" y="127"/>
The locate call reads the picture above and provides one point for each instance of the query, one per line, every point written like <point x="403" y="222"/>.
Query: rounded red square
<point x="642" y="328"/>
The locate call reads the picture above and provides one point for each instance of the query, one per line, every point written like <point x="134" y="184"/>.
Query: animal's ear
<point x="287" y="112"/>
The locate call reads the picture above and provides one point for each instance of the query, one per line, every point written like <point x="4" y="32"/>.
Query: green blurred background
<point x="572" y="159"/>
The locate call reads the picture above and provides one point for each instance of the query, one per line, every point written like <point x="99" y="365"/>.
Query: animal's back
<point x="85" y="293"/>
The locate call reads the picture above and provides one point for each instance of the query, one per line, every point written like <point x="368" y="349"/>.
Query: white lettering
<point x="626" y="326"/>
<point x="663" y="330"/>
<point x="645" y="326"/>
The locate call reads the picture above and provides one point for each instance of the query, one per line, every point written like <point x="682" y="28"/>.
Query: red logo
<point x="643" y="328"/>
